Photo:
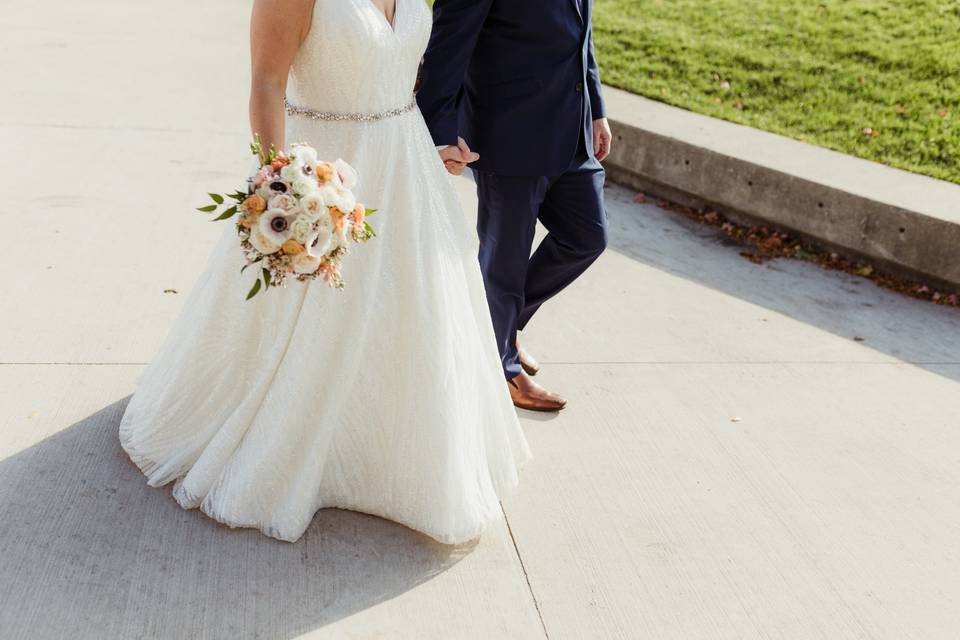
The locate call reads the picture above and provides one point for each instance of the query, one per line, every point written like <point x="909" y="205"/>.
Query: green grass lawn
<point x="879" y="79"/>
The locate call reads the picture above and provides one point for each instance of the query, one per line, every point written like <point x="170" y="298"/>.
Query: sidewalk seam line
<point x="73" y="364"/>
<point x="526" y="576"/>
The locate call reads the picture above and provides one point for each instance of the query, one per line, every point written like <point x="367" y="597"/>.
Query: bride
<point x="387" y="397"/>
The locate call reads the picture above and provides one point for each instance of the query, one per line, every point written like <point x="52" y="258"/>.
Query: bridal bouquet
<point x="297" y="216"/>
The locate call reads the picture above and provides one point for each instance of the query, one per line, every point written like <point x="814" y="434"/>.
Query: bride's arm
<point x="277" y="27"/>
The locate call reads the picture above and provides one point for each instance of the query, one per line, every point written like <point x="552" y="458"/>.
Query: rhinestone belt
<point x="313" y="114"/>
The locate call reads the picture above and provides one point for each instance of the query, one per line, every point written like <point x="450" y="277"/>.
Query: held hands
<point x="455" y="159"/>
<point x="602" y="138"/>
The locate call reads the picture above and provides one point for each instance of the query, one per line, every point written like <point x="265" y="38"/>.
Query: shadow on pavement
<point x="90" y="551"/>
<point x="912" y="331"/>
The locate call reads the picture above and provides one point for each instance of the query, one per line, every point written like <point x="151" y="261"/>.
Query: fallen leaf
<point x="170" y="291"/>
<point x="864" y="270"/>
<point x="725" y="85"/>
<point x="857" y="339"/>
<point x="640" y="198"/>
<point x="735" y="419"/>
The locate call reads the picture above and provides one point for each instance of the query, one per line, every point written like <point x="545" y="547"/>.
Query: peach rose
<point x="255" y="204"/>
<point x="359" y="212"/>
<point x="279" y="162"/>
<point x="324" y="172"/>
<point x="292" y="247"/>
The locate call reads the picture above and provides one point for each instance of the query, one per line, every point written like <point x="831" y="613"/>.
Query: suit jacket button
<point x="579" y="87"/>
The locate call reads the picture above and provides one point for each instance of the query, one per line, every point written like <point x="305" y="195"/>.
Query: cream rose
<point x="305" y="263"/>
<point x="283" y="201"/>
<point x="313" y="206"/>
<point x="261" y="243"/>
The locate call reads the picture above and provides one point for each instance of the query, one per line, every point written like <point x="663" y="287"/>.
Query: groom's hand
<point x="602" y="138"/>
<point x="455" y="159"/>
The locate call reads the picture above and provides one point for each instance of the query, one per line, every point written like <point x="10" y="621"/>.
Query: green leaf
<point x="208" y="209"/>
<point x="370" y="232"/>
<point x="244" y="267"/>
<point x="266" y="277"/>
<point x="370" y="212"/>
<point x="254" y="290"/>
<point x="217" y="198"/>
<point x="226" y="214"/>
<point x="238" y="196"/>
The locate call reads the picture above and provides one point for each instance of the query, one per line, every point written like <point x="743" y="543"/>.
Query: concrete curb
<point x="900" y="221"/>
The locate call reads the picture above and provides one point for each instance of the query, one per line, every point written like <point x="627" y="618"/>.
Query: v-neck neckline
<point x="386" y="21"/>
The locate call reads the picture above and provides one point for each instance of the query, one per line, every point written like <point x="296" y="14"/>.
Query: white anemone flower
<point x="347" y="175"/>
<point x="318" y="243"/>
<point x="304" y="154"/>
<point x="274" y="224"/>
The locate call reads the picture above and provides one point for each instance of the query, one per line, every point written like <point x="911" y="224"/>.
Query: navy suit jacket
<point x="517" y="79"/>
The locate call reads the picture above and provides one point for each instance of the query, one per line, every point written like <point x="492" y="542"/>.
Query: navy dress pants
<point x="570" y="207"/>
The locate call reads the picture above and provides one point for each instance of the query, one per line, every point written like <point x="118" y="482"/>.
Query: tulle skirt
<point x="386" y="398"/>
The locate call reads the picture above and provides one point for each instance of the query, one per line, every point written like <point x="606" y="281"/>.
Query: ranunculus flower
<point x="305" y="186"/>
<point x="274" y="226"/>
<point x="301" y="228"/>
<point x="291" y="247"/>
<point x="305" y="263"/>
<point x="325" y="172"/>
<point x="261" y="243"/>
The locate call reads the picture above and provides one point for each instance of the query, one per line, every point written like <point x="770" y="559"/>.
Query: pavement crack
<point x="526" y="576"/>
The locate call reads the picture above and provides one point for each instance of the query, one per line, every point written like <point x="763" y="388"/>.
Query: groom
<point x="517" y="81"/>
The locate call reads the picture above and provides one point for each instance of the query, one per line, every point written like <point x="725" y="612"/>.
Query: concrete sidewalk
<point x="749" y="452"/>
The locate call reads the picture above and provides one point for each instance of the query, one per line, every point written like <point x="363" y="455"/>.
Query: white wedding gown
<point x="387" y="397"/>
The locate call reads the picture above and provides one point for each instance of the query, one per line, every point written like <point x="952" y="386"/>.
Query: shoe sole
<point x="540" y="409"/>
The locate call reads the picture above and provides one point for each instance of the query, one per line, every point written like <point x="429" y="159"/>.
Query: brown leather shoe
<point x="527" y="394"/>
<point x="527" y="361"/>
